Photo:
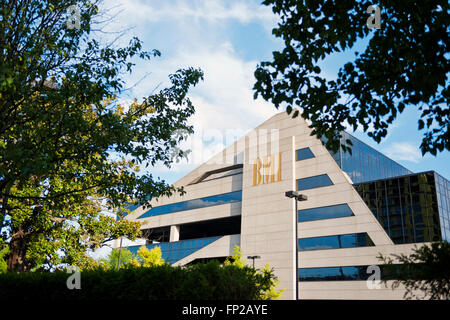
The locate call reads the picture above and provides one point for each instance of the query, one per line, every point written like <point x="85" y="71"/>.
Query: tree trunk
<point x="17" y="250"/>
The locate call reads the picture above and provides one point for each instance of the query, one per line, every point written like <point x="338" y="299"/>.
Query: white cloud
<point x="195" y="10"/>
<point x="403" y="151"/>
<point x="198" y="36"/>
<point x="225" y="108"/>
<point x="224" y="100"/>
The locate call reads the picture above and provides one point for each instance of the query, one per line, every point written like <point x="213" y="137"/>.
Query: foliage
<point x="405" y="64"/>
<point x="209" y="281"/>
<point x="236" y="258"/>
<point x="4" y="249"/>
<point x="69" y="150"/>
<point x="271" y="293"/>
<point x="113" y="257"/>
<point x="84" y="263"/>
<point x="425" y="272"/>
<point x="269" y="282"/>
<point x="148" y="258"/>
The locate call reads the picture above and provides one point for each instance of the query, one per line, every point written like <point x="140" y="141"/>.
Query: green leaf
<point x="421" y="124"/>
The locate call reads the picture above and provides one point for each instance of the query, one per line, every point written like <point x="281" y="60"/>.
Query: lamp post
<point x="253" y="258"/>
<point x="298" y="197"/>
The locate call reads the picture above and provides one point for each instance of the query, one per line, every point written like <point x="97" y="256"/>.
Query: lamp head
<point x="296" y="195"/>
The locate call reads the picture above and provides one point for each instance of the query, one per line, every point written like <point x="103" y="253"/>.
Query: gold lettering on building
<point x="267" y="169"/>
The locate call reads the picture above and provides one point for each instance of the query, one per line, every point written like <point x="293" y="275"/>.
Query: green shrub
<point x="208" y="281"/>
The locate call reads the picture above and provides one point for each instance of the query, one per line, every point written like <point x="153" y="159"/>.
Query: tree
<point x="69" y="151"/>
<point x="148" y="258"/>
<point x="268" y="281"/>
<point x="423" y="273"/>
<point x="113" y="257"/>
<point x="405" y="64"/>
<point x="236" y="258"/>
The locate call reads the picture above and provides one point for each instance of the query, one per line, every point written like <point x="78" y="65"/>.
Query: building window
<point x="314" y="182"/>
<point x="352" y="240"/>
<point x="174" y="251"/>
<point x="333" y="273"/>
<point x="303" y="154"/>
<point x="220" y="173"/>
<point x="346" y="273"/>
<point x="194" y="204"/>
<point x="328" y="212"/>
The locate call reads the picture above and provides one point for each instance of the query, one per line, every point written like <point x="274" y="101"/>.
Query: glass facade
<point x="174" y="251"/>
<point x="407" y="207"/>
<point x="303" y="154"/>
<point x="210" y="201"/>
<point x="352" y="240"/>
<point x="443" y="199"/>
<point x="329" y="212"/>
<point x="322" y="180"/>
<point x="365" y="163"/>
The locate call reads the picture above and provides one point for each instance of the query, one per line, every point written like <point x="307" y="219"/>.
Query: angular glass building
<point x="364" y="163"/>
<point x="359" y="205"/>
<point x="411" y="208"/>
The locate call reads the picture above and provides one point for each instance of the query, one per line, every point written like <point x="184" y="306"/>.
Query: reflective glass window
<point x="328" y="212"/>
<point x="303" y="154"/>
<point x="407" y="207"/>
<point x="349" y="273"/>
<point x="314" y="182"/>
<point x="194" y="204"/>
<point x="365" y="163"/>
<point x="334" y="273"/>
<point x="174" y="251"/>
<point x="352" y="240"/>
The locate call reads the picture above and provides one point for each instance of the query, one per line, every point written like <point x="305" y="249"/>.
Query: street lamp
<point x="253" y="258"/>
<point x="298" y="197"/>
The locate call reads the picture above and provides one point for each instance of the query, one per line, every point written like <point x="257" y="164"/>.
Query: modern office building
<point x="358" y="206"/>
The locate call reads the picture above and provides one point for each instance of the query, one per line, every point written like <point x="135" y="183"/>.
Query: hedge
<point x="208" y="281"/>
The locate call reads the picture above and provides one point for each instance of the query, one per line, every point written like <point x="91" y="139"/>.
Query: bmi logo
<point x="267" y="169"/>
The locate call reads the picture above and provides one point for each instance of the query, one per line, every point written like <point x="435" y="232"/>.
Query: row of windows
<point x="311" y="182"/>
<point x="352" y="240"/>
<point x="333" y="273"/>
<point x="174" y="251"/>
<point x="328" y="212"/>
<point x="210" y="201"/>
<point x="346" y="273"/>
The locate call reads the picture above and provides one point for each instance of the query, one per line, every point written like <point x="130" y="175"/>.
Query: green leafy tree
<point x="147" y="258"/>
<point x="425" y="273"/>
<point x="113" y="257"/>
<point x="69" y="151"/>
<point x="404" y="65"/>
<point x="268" y="281"/>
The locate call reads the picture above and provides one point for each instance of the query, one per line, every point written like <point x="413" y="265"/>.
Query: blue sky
<point x="227" y="39"/>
